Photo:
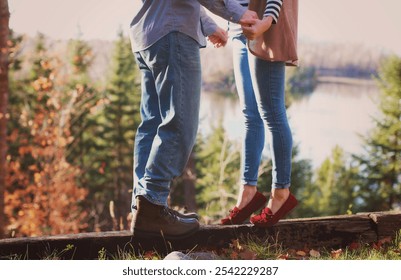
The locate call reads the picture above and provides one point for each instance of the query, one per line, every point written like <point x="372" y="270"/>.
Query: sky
<point x="374" y="23"/>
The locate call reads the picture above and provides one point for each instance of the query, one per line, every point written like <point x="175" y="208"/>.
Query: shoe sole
<point x="266" y="225"/>
<point x="240" y="222"/>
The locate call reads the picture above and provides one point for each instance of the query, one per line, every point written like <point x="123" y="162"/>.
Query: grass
<point x="384" y="249"/>
<point x="255" y="248"/>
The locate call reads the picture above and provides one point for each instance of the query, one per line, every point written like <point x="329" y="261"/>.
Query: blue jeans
<point x="260" y="86"/>
<point x="171" y="83"/>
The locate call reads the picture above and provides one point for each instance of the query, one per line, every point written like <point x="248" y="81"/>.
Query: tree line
<point x="70" y="145"/>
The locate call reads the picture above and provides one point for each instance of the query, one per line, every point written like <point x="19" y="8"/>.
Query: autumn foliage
<point x="70" y="140"/>
<point x="43" y="197"/>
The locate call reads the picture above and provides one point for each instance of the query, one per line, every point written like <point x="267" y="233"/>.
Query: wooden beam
<point x="329" y="232"/>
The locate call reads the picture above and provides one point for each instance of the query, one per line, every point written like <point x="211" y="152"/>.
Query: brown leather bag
<point x="279" y="43"/>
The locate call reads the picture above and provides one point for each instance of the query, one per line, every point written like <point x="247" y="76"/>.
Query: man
<point x="166" y="36"/>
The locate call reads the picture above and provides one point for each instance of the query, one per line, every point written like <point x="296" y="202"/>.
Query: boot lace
<point x="170" y="214"/>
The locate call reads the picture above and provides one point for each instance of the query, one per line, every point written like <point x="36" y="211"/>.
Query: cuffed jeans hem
<point x="281" y="186"/>
<point x="249" y="182"/>
<point x="152" y="200"/>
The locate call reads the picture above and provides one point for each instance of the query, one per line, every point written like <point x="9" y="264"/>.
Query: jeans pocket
<point x="157" y="55"/>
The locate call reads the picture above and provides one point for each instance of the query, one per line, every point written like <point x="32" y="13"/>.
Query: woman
<point x="260" y="85"/>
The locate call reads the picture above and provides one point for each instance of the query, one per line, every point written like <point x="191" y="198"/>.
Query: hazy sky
<point x="371" y="22"/>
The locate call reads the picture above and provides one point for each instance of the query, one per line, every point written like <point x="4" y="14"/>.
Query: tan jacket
<point x="279" y="43"/>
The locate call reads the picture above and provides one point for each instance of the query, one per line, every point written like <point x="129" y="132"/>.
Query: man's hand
<point x="218" y="38"/>
<point x="248" y="15"/>
<point x="254" y="28"/>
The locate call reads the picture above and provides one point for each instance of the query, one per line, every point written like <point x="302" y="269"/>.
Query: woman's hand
<point x="255" y="27"/>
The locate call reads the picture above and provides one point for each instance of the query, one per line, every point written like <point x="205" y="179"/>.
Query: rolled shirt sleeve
<point x="208" y="25"/>
<point x="230" y="10"/>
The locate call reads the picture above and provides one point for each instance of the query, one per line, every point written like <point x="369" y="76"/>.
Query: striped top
<point x="273" y="8"/>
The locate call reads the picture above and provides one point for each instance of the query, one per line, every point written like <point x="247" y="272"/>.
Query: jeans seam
<point x="250" y="114"/>
<point x="274" y="118"/>
<point x="180" y="117"/>
<point x="178" y="134"/>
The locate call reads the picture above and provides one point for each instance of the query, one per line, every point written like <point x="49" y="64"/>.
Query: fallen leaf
<point x="301" y="253"/>
<point x="335" y="254"/>
<point x="236" y="245"/>
<point x="354" y="246"/>
<point x="314" y="253"/>
<point x="385" y="240"/>
<point x="283" y="257"/>
<point x="234" y="256"/>
<point x="377" y="246"/>
<point x="149" y="255"/>
<point x="291" y="252"/>
<point x="248" y="255"/>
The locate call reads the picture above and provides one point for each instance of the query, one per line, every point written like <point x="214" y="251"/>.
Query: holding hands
<point x="219" y="38"/>
<point x="252" y="27"/>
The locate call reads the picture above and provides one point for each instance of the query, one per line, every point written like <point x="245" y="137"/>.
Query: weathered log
<point x="387" y="223"/>
<point x="328" y="232"/>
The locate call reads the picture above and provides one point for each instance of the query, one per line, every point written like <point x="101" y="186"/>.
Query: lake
<point x="333" y="114"/>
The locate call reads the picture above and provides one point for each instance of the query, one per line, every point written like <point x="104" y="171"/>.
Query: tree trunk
<point x="4" y="32"/>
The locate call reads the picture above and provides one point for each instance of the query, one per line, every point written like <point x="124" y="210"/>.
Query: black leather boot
<point x="155" y="220"/>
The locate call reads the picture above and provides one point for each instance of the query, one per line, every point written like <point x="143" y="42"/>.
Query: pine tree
<point x="381" y="162"/>
<point x="335" y="185"/>
<point x="85" y="103"/>
<point x="217" y="170"/>
<point x="333" y="191"/>
<point x="84" y="98"/>
<point x="118" y="123"/>
<point x="4" y="52"/>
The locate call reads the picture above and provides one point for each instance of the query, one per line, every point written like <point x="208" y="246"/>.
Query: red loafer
<point x="238" y="216"/>
<point x="266" y="218"/>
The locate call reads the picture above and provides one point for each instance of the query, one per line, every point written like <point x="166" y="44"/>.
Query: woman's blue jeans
<point x="171" y="83"/>
<point x="261" y="89"/>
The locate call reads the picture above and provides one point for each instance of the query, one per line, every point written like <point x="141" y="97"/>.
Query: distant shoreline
<point x="346" y="80"/>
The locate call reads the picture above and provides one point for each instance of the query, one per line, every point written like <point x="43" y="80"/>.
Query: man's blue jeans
<point x="171" y="83"/>
<point x="260" y="86"/>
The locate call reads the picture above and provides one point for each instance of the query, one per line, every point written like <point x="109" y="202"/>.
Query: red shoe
<point x="266" y="218"/>
<point x="238" y="216"/>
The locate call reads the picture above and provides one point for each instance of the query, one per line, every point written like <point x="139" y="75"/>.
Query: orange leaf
<point x="234" y="256"/>
<point x="37" y="177"/>
<point x="301" y="253"/>
<point x="335" y="254"/>
<point x="283" y="257"/>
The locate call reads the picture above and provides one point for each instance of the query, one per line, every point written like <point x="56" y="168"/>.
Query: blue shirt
<point x="157" y="18"/>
